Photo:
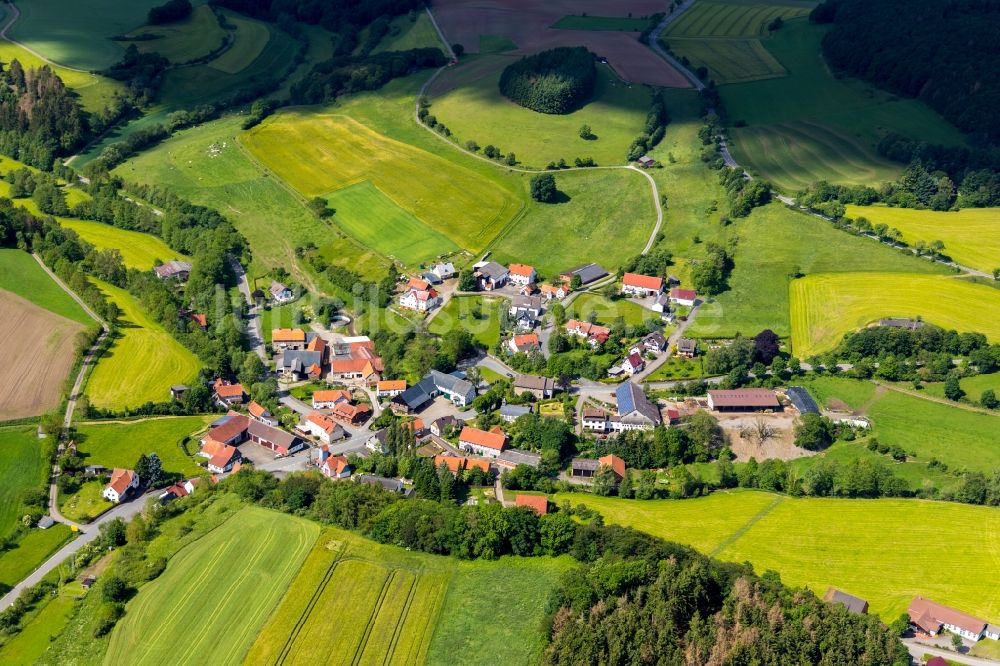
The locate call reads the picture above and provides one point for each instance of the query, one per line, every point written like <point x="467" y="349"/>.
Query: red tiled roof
<point x="256" y="409"/>
<point x="539" y="503"/>
<point x="454" y="464"/>
<point x="523" y="270"/>
<point x="323" y="422"/>
<point x="615" y="463"/>
<point x="642" y="281"/>
<point x="288" y="335"/>
<point x="526" y="340"/>
<point x="222" y="458"/>
<point x="336" y="465"/>
<point x="225" y="432"/>
<point x="199" y="319"/>
<point x="418" y="284"/>
<point x="683" y="294"/>
<point x="489" y="440"/>
<point x="634" y="360"/>
<point x="391" y="385"/>
<point x="177" y="489"/>
<point x="120" y="480"/>
<point x="331" y="395"/>
<point x="317" y="344"/>
<point x="350" y="411"/>
<point x="228" y="390"/>
<point x="593" y="330"/>
<point x="921" y="609"/>
<point x="477" y="463"/>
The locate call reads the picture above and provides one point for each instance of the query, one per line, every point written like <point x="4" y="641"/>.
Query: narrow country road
<point x="16" y="14"/>
<point x="918" y="650"/>
<point x="654" y="43"/>
<point x="254" y="333"/>
<point x="666" y="355"/>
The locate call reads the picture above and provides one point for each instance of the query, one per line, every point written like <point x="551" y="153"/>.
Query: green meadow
<point x="21" y="274"/>
<point x="22" y="468"/>
<point x="120" y="444"/>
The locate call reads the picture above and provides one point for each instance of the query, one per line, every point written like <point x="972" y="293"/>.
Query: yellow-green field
<point x="182" y="41"/>
<point x="138" y="250"/>
<point x="142" y="363"/>
<point x="885" y="551"/>
<point x="405" y="34"/>
<point x="318" y="153"/>
<point x="216" y="594"/>
<point x="729" y="60"/>
<point x="825" y="306"/>
<point x="710" y="18"/>
<point x="94" y="90"/>
<point x="971" y="236"/>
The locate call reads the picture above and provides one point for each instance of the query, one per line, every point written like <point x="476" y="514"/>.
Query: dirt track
<point x="39" y="356"/>
<point x="526" y="23"/>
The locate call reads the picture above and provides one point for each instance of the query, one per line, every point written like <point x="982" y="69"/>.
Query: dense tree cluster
<point x="555" y="81"/>
<point x="744" y="194"/>
<point x="334" y="15"/>
<point x="346" y="74"/>
<point x="942" y="52"/>
<point x="543" y="188"/>
<point x="653" y="131"/>
<point x="710" y="275"/>
<point x="172" y="10"/>
<point x="701" y="440"/>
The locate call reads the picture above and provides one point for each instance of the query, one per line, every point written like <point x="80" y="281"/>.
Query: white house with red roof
<point x="632" y="364"/>
<point x="333" y="467"/>
<point x="224" y="460"/>
<point x="322" y="427"/>
<point x="524" y="343"/>
<point x="595" y="334"/>
<point x="481" y="442"/>
<point x="260" y="413"/>
<point x="635" y="284"/>
<point x="685" y="297"/>
<point x="557" y="292"/>
<point x="227" y="394"/>
<point x="521" y="274"/>
<point x="123" y="482"/>
<point x="421" y="300"/>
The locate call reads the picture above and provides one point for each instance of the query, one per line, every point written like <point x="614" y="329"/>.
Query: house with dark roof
<point x="594" y="419"/>
<point x="393" y="485"/>
<point x="654" y="342"/>
<point x="459" y="391"/>
<point x="588" y="273"/>
<point x="851" y="603"/>
<point x="540" y="387"/>
<point x="279" y="441"/>
<point x="510" y="413"/>
<point x="635" y="411"/>
<point x="587" y="468"/>
<point x="173" y="270"/>
<point x="687" y="348"/>
<point x="441" y="426"/>
<point x="743" y="400"/>
<point x="298" y="364"/>
<point x="931" y="617"/>
<point x="531" y="306"/>
<point x="491" y="275"/>
<point x="280" y="293"/>
<point x="511" y="458"/>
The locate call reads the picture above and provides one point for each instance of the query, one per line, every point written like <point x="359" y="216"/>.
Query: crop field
<point x="885" y="551"/>
<point x="390" y="606"/>
<point x="317" y="153"/>
<point x="708" y="18"/>
<point x="607" y="311"/>
<point x="138" y="250"/>
<point x="21" y="274"/>
<point x="729" y="60"/>
<point x="181" y="41"/>
<point x="495" y="44"/>
<point x="826" y="306"/>
<point x="247" y="563"/>
<point x="375" y="221"/>
<point x="460" y="311"/>
<point x="248" y="43"/>
<point x="832" y="124"/>
<point x="618" y="23"/>
<point x="22" y="468"/>
<point x="971" y="236"/>
<point x="78" y="34"/>
<point x="31" y="551"/>
<point x="774" y="244"/>
<point x="120" y="444"/>
<point x="471" y="105"/>
<point x="405" y="34"/>
<point x="596" y="206"/>
<point x="142" y="362"/>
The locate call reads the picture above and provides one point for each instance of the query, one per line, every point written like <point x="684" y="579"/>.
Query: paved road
<point x="90" y="532"/>
<point x="654" y="43"/>
<point x="678" y="333"/>
<point x="254" y="334"/>
<point x="918" y="650"/>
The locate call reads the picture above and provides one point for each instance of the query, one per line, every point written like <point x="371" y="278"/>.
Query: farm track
<point x="743" y="529"/>
<point x="301" y="622"/>
<point x="394" y="640"/>
<point x="372" y="618"/>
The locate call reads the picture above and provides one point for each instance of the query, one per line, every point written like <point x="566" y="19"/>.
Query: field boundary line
<point x="13" y="19"/>
<point x="394" y="640"/>
<point x="743" y="529"/>
<point x="310" y="606"/>
<point x="430" y="627"/>
<point x="370" y="625"/>
<point x="940" y="401"/>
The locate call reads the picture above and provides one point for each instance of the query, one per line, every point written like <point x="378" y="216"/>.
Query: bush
<point x="543" y="188"/>
<point x="555" y="81"/>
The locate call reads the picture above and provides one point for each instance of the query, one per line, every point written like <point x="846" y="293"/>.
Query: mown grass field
<point x="365" y="213"/>
<point x="142" y="362"/>
<point x="607" y="311"/>
<point x="973" y="386"/>
<point x="775" y="243"/>
<point x="181" y="41"/>
<point x="729" y="60"/>
<point x="21" y="275"/>
<point x="249" y="42"/>
<point x="709" y="18"/>
<point x="87" y="502"/>
<point x="78" y="34"/>
<point x="808" y="125"/>
<point x="138" y="250"/>
<point x="395" y="607"/>
<point x="30" y="552"/>
<point x="458" y="312"/>
<point x="120" y="444"/>
<point x="248" y="562"/>
<point x="971" y="236"/>
<point x="317" y="153"/>
<point x="35" y="638"/>
<point x="826" y="306"/>
<point x="473" y="109"/>
<point x="405" y="34"/>
<point x="603" y="23"/>
<point x="21" y="468"/>
<point x="885" y="551"/>
<point x="605" y="216"/>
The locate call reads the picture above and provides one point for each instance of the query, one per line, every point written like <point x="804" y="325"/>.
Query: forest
<point x="555" y="81"/>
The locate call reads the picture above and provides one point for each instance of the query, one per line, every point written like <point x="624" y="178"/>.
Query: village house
<point x="224" y="460"/>
<point x="123" y="482"/>
<point x="633" y="364"/>
<point x="654" y="342"/>
<point x="280" y="293"/>
<point x="331" y="466"/>
<point x="594" y="334"/>
<point x="288" y="338"/>
<point x="851" y="603"/>
<point x="537" y="503"/>
<point x="444" y="270"/>
<point x="350" y="414"/>
<point x="392" y="485"/>
<point x="440" y="427"/>
<point x="200" y="320"/>
<point x="687" y="348"/>
<point x="419" y="296"/>
<point x="511" y="458"/>
<point x="431" y="278"/>
<point x="557" y="292"/>
<point x="173" y="270"/>
<point x="594" y="419"/>
<point x="588" y="273"/>
<point x="321" y="427"/>
<point x="743" y="400"/>
<point x="524" y="343"/>
<point x="685" y="297"/>
<point x="230" y="429"/>
<point x="259" y="413"/>
<point x="459" y="391"/>
<point x="635" y="284"/>
<point x="521" y="274"/>
<point x="526" y="307"/>
<point x="661" y="304"/>
<point x="635" y="411"/>
<point x="930" y="618"/>
<point x="296" y="365"/>
<point x="377" y="442"/>
<point x="227" y="394"/>
<point x="489" y="444"/>
<point x="329" y="398"/>
<point x="491" y="275"/>
<point x="587" y="468"/>
<point x="646" y="162"/>
<point x="279" y="441"/>
<point x="177" y="391"/>
<point x="456" y="464"/>
<point x="177" y="490"/>
<point x="390" y="388"/>
<point x="540" y="387"/>
<point x="355" y="358"/>
<point x="511" y="413"/>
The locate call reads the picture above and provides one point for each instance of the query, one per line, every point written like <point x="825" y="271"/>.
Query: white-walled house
<point x="635" y="284"/>
<point x="123" y="482"/>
